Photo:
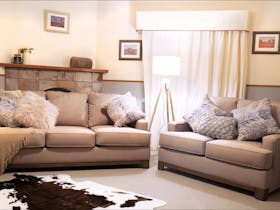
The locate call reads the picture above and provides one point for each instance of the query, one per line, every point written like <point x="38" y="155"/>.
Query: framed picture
<point x="266" y="42"/>
<point x="130" y="50"/>
<point x="56" y="21"/>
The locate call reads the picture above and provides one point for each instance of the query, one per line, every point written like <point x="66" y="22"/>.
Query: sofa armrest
<point x="141" y="124"/>
<point x="179" y="126"/>
<point x="272" y="142"/>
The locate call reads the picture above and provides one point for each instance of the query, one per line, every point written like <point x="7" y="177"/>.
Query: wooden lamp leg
<point x="154" y="111"/>
<point x="167" y="102"/>
<point x="171" y="105"/>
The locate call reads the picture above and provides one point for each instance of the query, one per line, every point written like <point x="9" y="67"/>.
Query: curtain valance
<point x="192" y="20"/>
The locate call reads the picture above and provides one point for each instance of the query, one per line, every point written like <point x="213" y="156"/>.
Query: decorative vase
<point x="26" y="57"/>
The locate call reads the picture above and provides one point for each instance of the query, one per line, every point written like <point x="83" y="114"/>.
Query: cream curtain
<point x="212" y="62"/>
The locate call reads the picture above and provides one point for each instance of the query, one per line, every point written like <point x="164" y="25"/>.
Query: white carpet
<point x="179" y="191"/>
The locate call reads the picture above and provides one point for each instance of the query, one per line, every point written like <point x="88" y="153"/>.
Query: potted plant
<point x="25" y="51"/>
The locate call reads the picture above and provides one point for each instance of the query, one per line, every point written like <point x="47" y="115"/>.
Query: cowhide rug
<point x="60" y="192"/>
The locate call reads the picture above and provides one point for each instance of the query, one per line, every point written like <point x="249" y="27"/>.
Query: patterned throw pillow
<point x="255" y="120"/>
<point x="218" y="127"/>
<point x="8" y="101"/>
<point x="206" y="108"/>
<point x="123" y="110"/>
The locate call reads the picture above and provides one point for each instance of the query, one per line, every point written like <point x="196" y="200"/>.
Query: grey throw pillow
<point x="218" y="127"/>
<point x="123" y="110"/>
<point x="207" y="107"/>
<point x="8" y="101"/>
<point x="255" y="120"/>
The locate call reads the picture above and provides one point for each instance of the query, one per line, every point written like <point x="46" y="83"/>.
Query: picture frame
<point x="266" y="42"/>
<point x="56" y="21"/>
<point x="130" y="49"/>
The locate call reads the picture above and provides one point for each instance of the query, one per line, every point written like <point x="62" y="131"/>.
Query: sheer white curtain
<point x="212" y="62"/>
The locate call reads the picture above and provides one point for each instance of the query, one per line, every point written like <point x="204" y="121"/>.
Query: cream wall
<point x="116" y="20"/>
<point x="97" y="26"/>
<point x="22" y="25"/>
<point x="114" y="24"/>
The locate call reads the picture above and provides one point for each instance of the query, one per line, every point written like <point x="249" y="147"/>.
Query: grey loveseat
<point x="84" y="136"/>
<point x="250" y="165"/>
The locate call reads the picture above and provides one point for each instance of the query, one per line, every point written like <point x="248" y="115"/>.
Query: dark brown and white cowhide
<point x="61" y="192"/>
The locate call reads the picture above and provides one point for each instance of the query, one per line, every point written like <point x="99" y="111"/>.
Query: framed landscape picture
<point x="56" y="21"/>
<point x="130" y="50"/>
<point x="266" y="42"/>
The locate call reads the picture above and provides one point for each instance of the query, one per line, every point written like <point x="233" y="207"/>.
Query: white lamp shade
<point x="166" y="65"/>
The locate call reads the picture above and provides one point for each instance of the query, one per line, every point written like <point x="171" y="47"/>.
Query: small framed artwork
<point x="130" y="50"/>
<point x="266" y="42"/>
<point x="56" y="21"/>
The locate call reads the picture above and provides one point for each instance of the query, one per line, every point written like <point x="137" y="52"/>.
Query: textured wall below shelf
<point x="32" y="79"/>
<point x="2" y="79"/>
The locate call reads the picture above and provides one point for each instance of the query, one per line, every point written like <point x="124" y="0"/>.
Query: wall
<point x="116" y="20"/>
<point x="22" y="25"/>
<point x="97" y="27"/>
<point x="114" y="24"/>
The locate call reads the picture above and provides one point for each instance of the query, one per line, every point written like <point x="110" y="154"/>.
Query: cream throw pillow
<point x="33" y="110"/>
<point x="123" y="110"/>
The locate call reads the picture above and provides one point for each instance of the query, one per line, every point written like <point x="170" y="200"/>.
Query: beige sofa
<point x="250" y="165"/>
<point x="84" y="136"/>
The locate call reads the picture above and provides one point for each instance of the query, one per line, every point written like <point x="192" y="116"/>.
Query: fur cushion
<point x="255" y="120"/>
<point x="123" y="110"/>
<point x="33" y="110"/>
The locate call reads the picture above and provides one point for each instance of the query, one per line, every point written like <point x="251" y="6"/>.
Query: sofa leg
<point x="261" y="194"/>
<point x="145" y="164"/>
<point x="160" y="165"/>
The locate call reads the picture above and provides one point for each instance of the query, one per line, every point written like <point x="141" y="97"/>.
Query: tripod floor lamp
<point x="165" y="66"/>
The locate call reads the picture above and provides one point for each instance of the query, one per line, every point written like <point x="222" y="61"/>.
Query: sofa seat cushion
<point x="70" y="136"/>
<point x="189" y="142"/>
<point x="108" y="135"/>
<point x="248" y="154"/>
<point x="36" y="139"/>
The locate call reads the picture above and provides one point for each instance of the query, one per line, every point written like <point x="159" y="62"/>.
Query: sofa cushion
<point x="225" y="103"/>
<point x="37" y="139"/>
<point x="184" y="141"/>
<point x="97" y="114"/>
<point x="73" y="107"/>
<point x="70" y="136"/>
<point x="255" y="120"/>
<point x="248" y="154"/>
<point x="108" y="135"/>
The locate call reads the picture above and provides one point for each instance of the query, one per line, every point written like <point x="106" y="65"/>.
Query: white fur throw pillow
<point x="123" y="110"/>
<point x="34" y="111"/>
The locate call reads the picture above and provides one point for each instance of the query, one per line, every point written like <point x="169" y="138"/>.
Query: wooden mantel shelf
<point x="51" y="68"/>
